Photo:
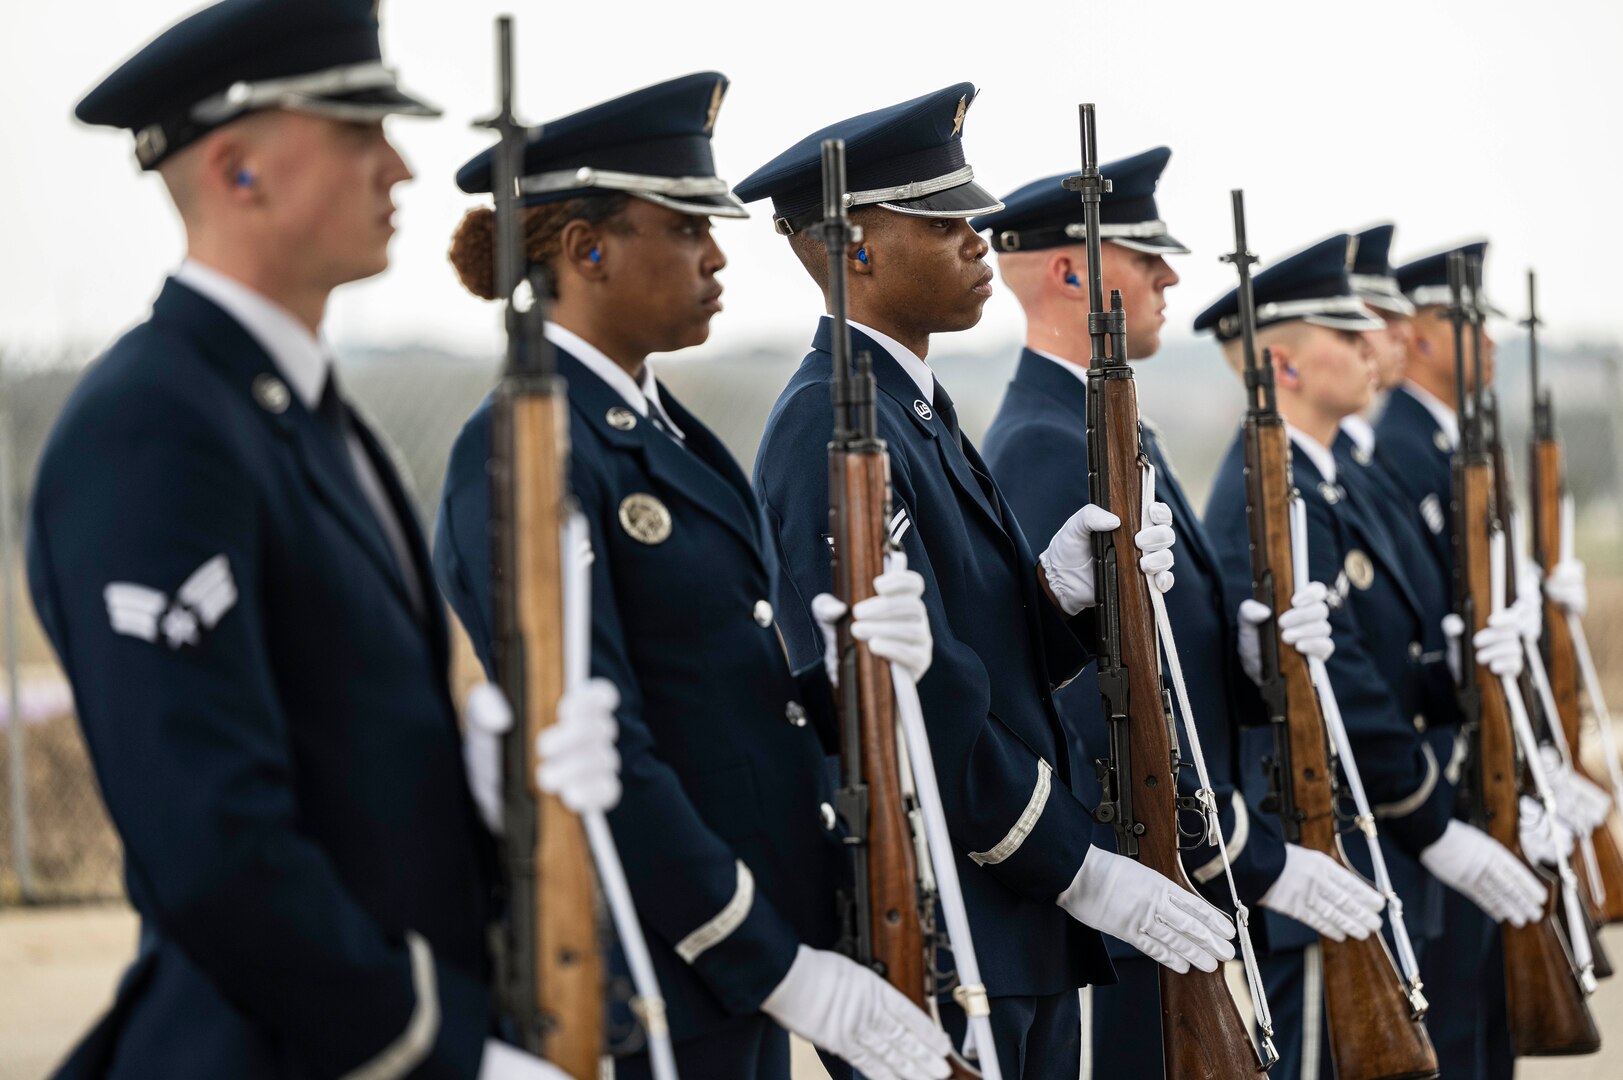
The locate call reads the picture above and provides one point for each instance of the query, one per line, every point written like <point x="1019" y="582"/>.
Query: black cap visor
<point x="964" y="201"/>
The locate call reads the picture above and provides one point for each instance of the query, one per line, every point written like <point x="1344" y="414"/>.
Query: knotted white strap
<point x="1266" y="1053"/>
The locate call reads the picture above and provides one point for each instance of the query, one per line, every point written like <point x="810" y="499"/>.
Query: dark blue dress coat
<point x="269" y="720"/>
<point x="728" y="848"/>
<point x="1002" y="755"/>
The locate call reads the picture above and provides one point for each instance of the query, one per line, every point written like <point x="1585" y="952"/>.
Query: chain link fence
<point x="56" y="843"/>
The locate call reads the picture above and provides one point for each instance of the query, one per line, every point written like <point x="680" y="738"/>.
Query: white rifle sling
<point x="1408" y="965"/>
<point x="1266" y="1053"/>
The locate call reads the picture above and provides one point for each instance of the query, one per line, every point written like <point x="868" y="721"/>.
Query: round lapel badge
<point x="1360" y="570"/>
<point x="922" y="407"/>
<point x="1361" y="455"/>
<point x="1440" y="441"/>
<point x="621" y="419"/>
<point x="271" y="393"/>
<point x="645" y="519"/>
<point x="1330" y="493"/>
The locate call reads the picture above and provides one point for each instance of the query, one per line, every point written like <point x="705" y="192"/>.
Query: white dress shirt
<point x="305" y="363"/>
<point x="916" y="369"/>
<point x="1446" y="418"/>
<point x="1079" y="370"/>
<point x="641" y="394"/>
<point x="1316" y="452"/>
<point x="1361" y="432"/>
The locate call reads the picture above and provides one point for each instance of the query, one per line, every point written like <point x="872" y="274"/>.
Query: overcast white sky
<point x="1451" y="117"/>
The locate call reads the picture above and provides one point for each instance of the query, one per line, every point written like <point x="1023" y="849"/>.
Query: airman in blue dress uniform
<point x="230" y="570"/>
<point x="1413" y="441"/>
<point x="1001" y="620"/>
<point x="726" y="830"/>
<point x="1037" y="451"/>
<point x="1316" y="324"/>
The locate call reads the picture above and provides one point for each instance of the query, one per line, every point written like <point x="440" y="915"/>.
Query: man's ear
<point x="584" y="250"/>
<point x="1067" y="273"/>
<point x="859" y="259"/>
<point x="228" y="168"/>
<point x="1285" y="373"/>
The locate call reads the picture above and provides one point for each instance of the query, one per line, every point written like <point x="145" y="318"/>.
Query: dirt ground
<point x="60" y="966"/>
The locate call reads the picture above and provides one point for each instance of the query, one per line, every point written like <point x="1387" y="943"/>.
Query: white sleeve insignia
<point x="200" y="603"/>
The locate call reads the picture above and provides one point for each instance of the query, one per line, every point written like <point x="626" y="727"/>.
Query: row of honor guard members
<point x="1008" y="627"/>
<point x="726" y="827"/>
<point x="228" y="567"/>
<point x="1321" y="332"/>
<point x="1037" y="449"/>
<point x="235" y="697"/>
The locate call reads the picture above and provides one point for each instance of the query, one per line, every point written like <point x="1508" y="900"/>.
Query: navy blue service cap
<point x="241" y="56"/>
<point x="1371" y="271"/>
<point x="1311" y="286"/>
<point x="653" y="143"/>
<point x="1425" y="280"/>
<point x="908" y="158"/>
<point x="1044" y="215"/>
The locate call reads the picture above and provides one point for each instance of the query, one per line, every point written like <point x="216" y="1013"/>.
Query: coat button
<point x="795" y="713"/>
<point x="1415" y="651"/>
<point x="829" y="820"/>
<point x="763" y="613"/>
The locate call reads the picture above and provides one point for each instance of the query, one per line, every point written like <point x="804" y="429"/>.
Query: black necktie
<point x="949" y="415"/>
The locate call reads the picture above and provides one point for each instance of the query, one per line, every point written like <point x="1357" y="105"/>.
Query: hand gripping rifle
<point x="1202" y="1033"/>
<point x="1376" y="1027"/>
<point x="1563" y="634"/>
<point x="549" y="963"/>
<point x="1544" y="981"/>
<point x="902" y="859"/>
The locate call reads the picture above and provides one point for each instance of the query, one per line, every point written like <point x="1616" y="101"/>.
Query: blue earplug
<point x="594" y="256"/>
<point x="862" y="255"/>
<point x="245" y="178"/>
<point x="1070" y="279"/>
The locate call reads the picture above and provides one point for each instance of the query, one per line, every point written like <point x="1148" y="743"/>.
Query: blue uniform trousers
<point x="747" y="1048"/>
<point x="1037" y="1035"/>
<point x="1464" y="975"/>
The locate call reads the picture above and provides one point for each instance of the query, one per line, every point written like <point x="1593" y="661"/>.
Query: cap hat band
<point x="241" y="97"/>
<point x="1286" y="310"/>
<point x="1016" y="239"/>
<point x="586" y="177"/>
<point x="918" y="189"/>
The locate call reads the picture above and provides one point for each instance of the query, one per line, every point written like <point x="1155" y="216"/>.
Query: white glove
<point x="1566" y="587"/>
<point x="578" y="761"/>
<point x="487" y="718"/>
<point x="1305" y="627"/>
<point x="1529" y="605"/>
<point x="846" y="1009"/>
<point x="1471" y="862"/>
<point x="1582" y="804"/>
<point x="1067" y="562"/>
<point x="1316" y="890"/>
<point x="503" y="1062"/>
<point x="1545" y="838"/>
<point x="1498" y="645"/>
<point x="1125" y="899"/>
<point x="893" y="621"/>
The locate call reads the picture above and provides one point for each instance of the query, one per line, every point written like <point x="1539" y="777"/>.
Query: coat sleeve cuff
<point x="1044" y="846"/>
<point x="743" y="951"/>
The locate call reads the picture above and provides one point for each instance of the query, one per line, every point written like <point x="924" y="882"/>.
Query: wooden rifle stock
<point x="549" y="968"/>
<point x="1561" y="658"/>
<point x="1203" y="1036"/>
<point x="568" y="970"/>
<point x="1544" y="1003"/>
<point x="890" y="919"/>
<point x="1374" y="1034"/>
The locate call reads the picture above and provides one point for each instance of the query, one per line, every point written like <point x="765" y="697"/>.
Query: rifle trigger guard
<point x="972" y="999"/>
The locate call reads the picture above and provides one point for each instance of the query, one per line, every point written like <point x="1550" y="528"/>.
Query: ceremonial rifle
<point x="1544" y="995"/>
<point x="1533" y="688"/>
<point x="902" y="859"/>
<point x="1376" y="1027"/>
<point x="550" y="972"/>
<point x="1202" y="1033"/>
<point x="1546" y="494"/>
